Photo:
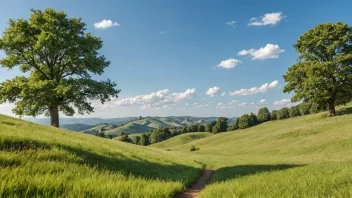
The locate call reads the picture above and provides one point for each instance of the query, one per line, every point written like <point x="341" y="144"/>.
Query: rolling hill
<point x="42" y="161"/>
<point x="306" y="156"/>
<point x="148" y="124"/>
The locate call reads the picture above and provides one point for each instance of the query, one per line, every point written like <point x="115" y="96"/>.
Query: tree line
<point x="221" y="124"/>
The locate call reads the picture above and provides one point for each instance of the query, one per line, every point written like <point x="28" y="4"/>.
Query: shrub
<point x="193" y="148"/>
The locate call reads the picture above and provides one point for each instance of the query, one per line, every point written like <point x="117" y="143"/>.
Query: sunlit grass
<point x="43" y="161"/>
<point x="307" y="156"/>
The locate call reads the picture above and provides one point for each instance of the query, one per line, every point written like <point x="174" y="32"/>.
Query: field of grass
<point x="307" y="156"/>
<point x="42" y="161"/>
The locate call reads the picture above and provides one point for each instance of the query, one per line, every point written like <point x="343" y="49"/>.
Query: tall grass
<point x="43" y="161"/>
<point x="307" y="156"/>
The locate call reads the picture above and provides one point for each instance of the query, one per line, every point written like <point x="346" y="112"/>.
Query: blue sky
<point x="167" y="55"/>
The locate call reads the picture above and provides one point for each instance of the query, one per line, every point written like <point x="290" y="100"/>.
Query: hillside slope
<point x="307" y="156"/>
<point x="148" y="124"/>
<point x="181" y="140"/>
<point x="36" y="160"/>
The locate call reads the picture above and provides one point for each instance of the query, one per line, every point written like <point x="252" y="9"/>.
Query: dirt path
<point x="194" y="189"/>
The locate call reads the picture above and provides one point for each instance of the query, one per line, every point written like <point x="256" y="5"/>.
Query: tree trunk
<point x="332" y="108"/>
<point x="54" y="116"/>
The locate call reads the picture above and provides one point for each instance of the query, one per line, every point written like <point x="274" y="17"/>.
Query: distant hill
<point x="130" y="125"/>
<point x="86" y="121"/>
<point x="148" y="124"/>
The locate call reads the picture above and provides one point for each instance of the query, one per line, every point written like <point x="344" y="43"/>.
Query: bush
<point x="294" y="111"/>
<point x="193" y="148"/>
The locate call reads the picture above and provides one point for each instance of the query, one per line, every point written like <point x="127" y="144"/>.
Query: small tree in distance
<point x="263" y="114"/>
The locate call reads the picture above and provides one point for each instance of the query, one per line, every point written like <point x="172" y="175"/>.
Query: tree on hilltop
<point x="323" y="73"/>
<point x="58" y="58"/>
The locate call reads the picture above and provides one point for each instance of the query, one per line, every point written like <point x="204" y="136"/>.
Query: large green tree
<point x="58" y="58"/>
<point x="323" y="73"/>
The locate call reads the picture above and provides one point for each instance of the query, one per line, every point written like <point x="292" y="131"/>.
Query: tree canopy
<point x="58" y="58"/>
<point x="263" y="114"/>
<point x="323" y="73"/>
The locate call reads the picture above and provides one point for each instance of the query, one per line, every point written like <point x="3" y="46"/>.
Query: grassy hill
<point x="181" y="140"/>
<point x="147" y="124"/>
<point x="43" y="161"/>
<point x="307" y="156"/>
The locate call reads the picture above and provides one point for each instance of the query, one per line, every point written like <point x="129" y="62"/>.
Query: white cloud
<point x="157" y="99"/>
<point x="186" y="104"/>
<point x="242" y="104"/>
<point x="233" y="101"/>
<point x="195" y="103"/>
<point x="252" y="103"/>
<point x="231" y="23"/>
<point x="254" y="90"/>
<point x="262" y="100"/>
<point x="223" y="93"/>
<point x="273" y="84"/>
<point x="163" y="32"/>
<point x="105" y="24"/>
<point x="213" y="91"/>
<point x="229" y="63"/>
<point x="267" y="19"/>
<point x="219" y="104"/>
<point x="269" y="51"/>
<point x="282" y="102"/>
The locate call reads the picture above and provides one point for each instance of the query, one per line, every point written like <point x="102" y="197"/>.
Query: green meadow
<point x="306" y="156"/>
<point x="44" y="161"/>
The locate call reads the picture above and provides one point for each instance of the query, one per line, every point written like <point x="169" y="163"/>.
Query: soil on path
<point x="194" y="190"/>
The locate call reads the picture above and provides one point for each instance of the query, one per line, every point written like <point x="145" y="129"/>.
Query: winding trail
<point x="194" y="190"/>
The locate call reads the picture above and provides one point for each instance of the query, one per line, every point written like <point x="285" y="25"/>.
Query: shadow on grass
<point x="344" y="111"/>
<point x="239" y="171"/>
<point x="7" y="123"/>
<point x="104" y="160"/>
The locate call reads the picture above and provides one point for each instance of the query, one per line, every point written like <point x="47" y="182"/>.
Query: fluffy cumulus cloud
<point x="269" y="51"/>
<point x="267" y="19"/>
<point x="105" y="24"/>
<point x="231" y="23"/>
<point x="157" y="99"/>
<point x="219" y="104"/>
<point x="282" y="102"/>
<point x="254" y="90"/>
<point x="223" y="93"/>
<point x="229" y="63"/>
<point x="273" y="84"/>
<point x="213" y="91"/>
